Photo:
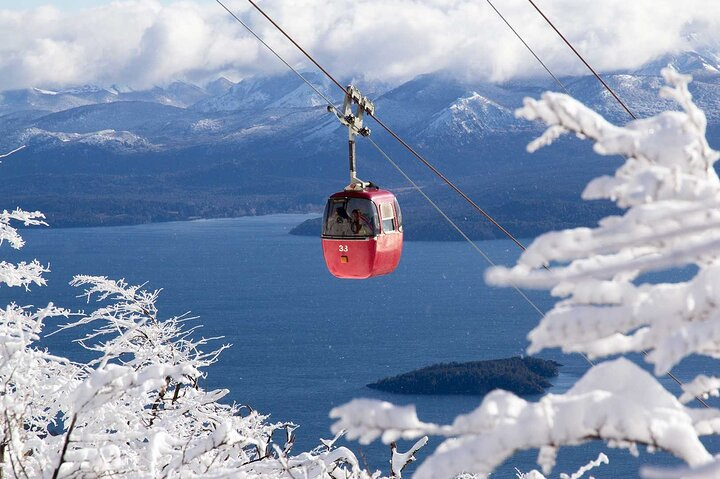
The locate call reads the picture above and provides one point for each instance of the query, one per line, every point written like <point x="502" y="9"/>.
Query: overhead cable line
<point x="645" y="353"/>
<point x="393" y="163"/>
<point x="490" y="261"/>
<point x="279" y="57"/>
<point x="393" y="133"/>
<point x="400" y="170"/>
<point x="528" y="47"/>
<point x="451" y="222"/>
<point x="269" y="19"/>
<point x="567" y="42"/>
<point x="417" y="155"/>
<point x="465" y="236"/>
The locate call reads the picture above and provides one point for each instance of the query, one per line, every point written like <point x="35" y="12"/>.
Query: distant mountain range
<point x="114" y="155"/>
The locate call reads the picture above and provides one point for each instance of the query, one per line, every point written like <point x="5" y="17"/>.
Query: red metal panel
<point x="389" y="249"/>
<point x="360" y="253"/>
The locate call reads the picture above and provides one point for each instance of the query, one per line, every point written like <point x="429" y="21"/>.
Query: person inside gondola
<point x="339" y="223"/>
<point x="361" y="224"/>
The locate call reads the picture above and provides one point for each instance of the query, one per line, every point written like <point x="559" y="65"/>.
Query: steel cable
<point x="421" y="158"/>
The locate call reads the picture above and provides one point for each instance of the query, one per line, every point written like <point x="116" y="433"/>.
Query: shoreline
<point x="302" y="218"/>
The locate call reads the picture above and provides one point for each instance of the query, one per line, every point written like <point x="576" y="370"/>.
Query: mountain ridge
<point x="276" y="132"/>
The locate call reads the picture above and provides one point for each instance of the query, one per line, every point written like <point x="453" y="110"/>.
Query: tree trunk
<point x="2" y="459"/>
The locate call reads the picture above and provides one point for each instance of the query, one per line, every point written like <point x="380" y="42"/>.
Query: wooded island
<point x="522" y="376"/>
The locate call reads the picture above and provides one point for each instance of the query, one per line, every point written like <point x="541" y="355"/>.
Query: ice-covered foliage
<point x="34" y="383"/>
<point x="602" y="459"/>
<point x="671" y="195"/>
<point x="706" y="471"/>
<point x="136" y="407"/>
<point x="21" y="274"/>
<point x="398" y="460"/>
<point x="630" y="408"/>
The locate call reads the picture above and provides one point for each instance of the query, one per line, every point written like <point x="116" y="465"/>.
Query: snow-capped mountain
<point x="698" y="64"/>
<point x="283" y="91"/>
<point x="47" y="100"/>
<point x="640" y="94"/>
<point x="179" y="94"/>
<point x="281" y="114"/>
<point x="117" y="141"/>
<point x="269" y="144"/>
<point x="469" y="119"/>
<point x="219" y="86"/>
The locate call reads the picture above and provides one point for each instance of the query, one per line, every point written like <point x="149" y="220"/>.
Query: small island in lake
<point x="522" y="376"/>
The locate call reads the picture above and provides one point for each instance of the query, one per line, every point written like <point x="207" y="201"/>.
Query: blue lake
<point x="303" y="341"/>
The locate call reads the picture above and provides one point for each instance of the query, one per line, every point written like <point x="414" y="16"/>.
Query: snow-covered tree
<point x="671" y="196"/>
<point x="34" y="383"/>
<point x="137" y="408"/>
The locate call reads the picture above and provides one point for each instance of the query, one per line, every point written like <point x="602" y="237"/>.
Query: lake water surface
<point x="304" y="341"/>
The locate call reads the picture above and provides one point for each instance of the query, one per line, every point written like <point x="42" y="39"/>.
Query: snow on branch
<point x="129" y="329"/>
<point x="672" y="194"/>
<point x="399" y="460"/>
<point x="137" y="409"/>
<point x="111" y="382"/>
<point x="12" y="152"/>
<point x="702" y="386"/>
<point x="21" y="274"/>
<point x="601" y="459"/>
<point x="706" y="471"/>
<point x="10" y="234"/>
<point x="615" y="401"/>
<point x="34" y="386"/>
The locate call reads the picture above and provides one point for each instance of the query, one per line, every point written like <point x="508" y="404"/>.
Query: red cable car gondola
<point x="362" y="226"/>
<point x="362" y="233"/>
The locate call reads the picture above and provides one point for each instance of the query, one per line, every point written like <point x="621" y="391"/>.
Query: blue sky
<point x="141" y="43"/>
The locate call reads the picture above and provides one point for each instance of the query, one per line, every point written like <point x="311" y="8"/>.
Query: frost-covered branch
<point x="702" y="386"/>
<point x="137" y="409"/>
<point x="706" y="471"/>
<point x="10" y="234"/>
<point x="399" y="460"/>
<point x="672" y="193"/>
<point x="130" y="331"/>
<point x="632" y="408"/>
<point x="602" y="459"/>
<point x="21" y="274"/>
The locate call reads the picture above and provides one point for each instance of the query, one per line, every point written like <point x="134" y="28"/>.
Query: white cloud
<point x="143" y="43"/>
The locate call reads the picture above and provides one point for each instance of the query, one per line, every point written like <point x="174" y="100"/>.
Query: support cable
<point x="452" y="223"/>
<point x="419" y="157"/>
<point x="491" y="262"/>
<point x="269" y="19"/>
<point x="277" y="55"/>
<point x="462" y="233"/>
<point x="387" y="157"/>
<point x="393" y="134"/>
<point x="645" y="353"/>
<point x="567" y="42"/>
<point x="528" y="47"/>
